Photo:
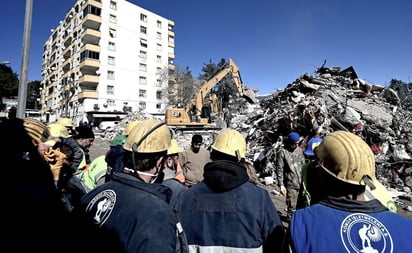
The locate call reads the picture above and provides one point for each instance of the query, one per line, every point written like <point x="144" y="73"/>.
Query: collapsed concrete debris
<point x="335" y="100"/>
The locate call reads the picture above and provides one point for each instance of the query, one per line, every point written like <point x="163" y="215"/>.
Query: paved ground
<point x="101" y="146"/>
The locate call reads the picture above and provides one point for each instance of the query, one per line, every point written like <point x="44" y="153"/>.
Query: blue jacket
<point x="341" y="225"/>
<point x="128" y="215"/>
<point x="226" y="213"/>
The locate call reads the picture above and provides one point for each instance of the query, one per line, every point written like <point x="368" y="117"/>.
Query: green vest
<point x="96" y="171"/>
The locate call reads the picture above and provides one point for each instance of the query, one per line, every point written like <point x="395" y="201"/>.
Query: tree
<point x="182" y="86"/>
<point x="33" y="95"/>
<point x="9" y="83"/>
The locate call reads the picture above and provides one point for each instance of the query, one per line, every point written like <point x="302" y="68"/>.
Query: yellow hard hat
<point x="174" y="148"/>
<point x="347" y="157"/>
<point x="37" y="130"/>
<point x="130" y="126"/>
<point x="151" y="136"/>
<point x="65" y="122"/>
<point x="230" y="142"/>
<point x="57" y="130"/>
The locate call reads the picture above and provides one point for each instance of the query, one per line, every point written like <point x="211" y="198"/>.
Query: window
<point x="142" y="105"/>
<point x="159" y="47"/>
<point x="159" y="24"/>
<point x="171" y="39"/>
<point x="113" y="19"/>
<point x="143" y="54"/>
<point x="158" y="106"/>
<point x="143" y="17"/>
<point x="113" y="5"/>
<point x="142" y="80"/>
<point x="158" y="82"/>
<point x="110" y="90"/>
<point x="112" y="33"/>
<point x="159" y="35"/>
<point x="158" y="59"/>
<point x="143" y="29"/>
<point x="111" y="102"/>
<point x="110" y="75"/>
<point x="112" y="46"/>
<point x="142" y="93"/>
<point x="142" y="67"/>
<point x="143" y="43"/>
<point x="159" y="94"/>
<point x="158" y="70"/>
<point x="110" y="60"/>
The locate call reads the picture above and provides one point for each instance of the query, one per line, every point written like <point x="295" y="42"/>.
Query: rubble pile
<point x="331" y="99"/>
<point x="334" y="100"/>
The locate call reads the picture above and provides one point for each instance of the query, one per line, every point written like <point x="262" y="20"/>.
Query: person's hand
<point x="283" y="190"/>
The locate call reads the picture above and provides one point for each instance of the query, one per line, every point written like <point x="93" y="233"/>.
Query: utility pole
<point x="22" y="96"/>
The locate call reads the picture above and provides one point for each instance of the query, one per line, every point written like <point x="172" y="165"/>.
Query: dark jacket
<point x="226" y="212"/>
<point x="128" y="215"/>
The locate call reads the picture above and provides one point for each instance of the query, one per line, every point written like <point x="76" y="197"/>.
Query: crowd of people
<point x="146" y="194"/>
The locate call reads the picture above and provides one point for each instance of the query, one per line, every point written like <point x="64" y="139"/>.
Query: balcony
<point x="91" y="21"/>
<point x="89" y="65"/>
<point x="91" y="36"/>
<point x="88" y="94"/>
<point x="90" y="81"/>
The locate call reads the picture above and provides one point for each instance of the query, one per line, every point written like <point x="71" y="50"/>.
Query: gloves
<point x="55" y="158"/>
<point x="283" y="190"/>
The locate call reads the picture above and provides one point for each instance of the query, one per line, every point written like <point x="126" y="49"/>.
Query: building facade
<point x="106" y="57"/>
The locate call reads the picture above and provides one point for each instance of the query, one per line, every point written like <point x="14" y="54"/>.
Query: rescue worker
<point x="193" y="160"/>
<point x="68" y="123"/>
<point x="225" y="212"/>
<point x="131" y="213"/>
<point x="173" y="173"/>
<point x="309" y="181"/>
<point x="172" y="167"/>
<point x="84" y="138"/>
<point x="95" y="175"/>
<point x="289" y="162"/>
<point x="114" y="157"/>
<point x="342" y="220"/>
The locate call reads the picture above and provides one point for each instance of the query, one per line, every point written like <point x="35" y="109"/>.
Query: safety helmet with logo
<point x="130" y="126"/>
<point x="230" y="142"/>
<point x="174" y="148"/>
<point x="57" y="130"/>
<point x="66" y="122"/>
<point x="348" y="158"/>
<point x="37" y="130"/>
<point x="152" y="136"/>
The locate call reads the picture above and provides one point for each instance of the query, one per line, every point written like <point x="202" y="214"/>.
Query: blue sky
<point x="272" y="41"/>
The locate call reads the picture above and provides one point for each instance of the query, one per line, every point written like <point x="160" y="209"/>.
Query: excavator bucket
<point x="249" y="95"/>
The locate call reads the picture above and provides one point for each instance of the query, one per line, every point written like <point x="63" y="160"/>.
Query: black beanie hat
<point x="84" y="132"/>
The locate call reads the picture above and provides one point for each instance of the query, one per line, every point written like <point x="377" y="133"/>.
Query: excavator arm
<point x="206" y="87"/>
<point x="180" y="117"/>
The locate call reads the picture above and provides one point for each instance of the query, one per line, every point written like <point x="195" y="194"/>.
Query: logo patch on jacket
<point x="364" y="233"/>
<point x="101" y="206"/>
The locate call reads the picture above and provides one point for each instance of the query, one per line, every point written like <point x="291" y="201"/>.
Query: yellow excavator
<point x="191" y="116"/>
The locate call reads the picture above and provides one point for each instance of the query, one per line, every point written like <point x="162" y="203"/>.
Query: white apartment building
<point x="105" y="58"/>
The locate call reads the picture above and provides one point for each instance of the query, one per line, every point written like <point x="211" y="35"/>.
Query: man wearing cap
<point x="289" y="162"/>
<point x="341" y="219"/>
